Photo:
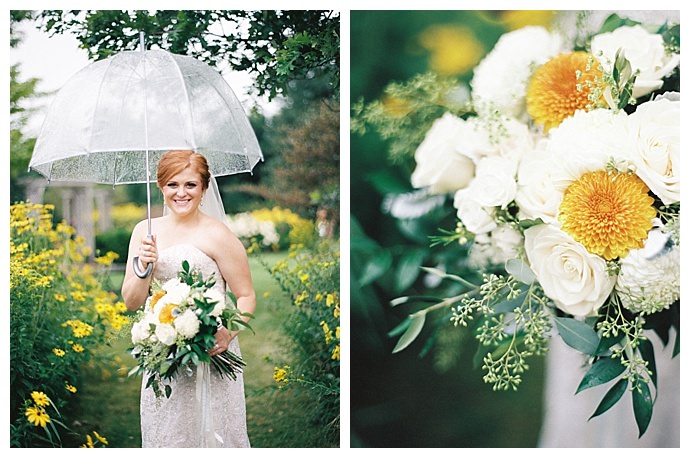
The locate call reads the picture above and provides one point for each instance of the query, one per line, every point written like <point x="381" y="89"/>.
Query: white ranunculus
<point x="474" y="216"/>
<point x="141" y="330"/>
<point x="187" y="324"/>
<point x="500" y="80"/>
<point x="495" y="248"/>
<point x="494" y="184"/>
<point x="649" y="279"/>
<point x="575" y="279"/>
<point x="176" y="292"/>
<point x="656" y="127"/>
<point x="535" y="195"/>
<point x="586" y="142"/>
<point x="213" y="295"/>
<point x="442" y="163"/>
<point x="645" y="52"/>
<point x="166" y="334"/>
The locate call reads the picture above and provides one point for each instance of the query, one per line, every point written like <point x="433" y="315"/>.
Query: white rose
<point x="572" y="277"/>
<point x="535" y="195"/>
<point x="166" y="334"/>
<point x="475" y="217"/>
<point x="494" y="184"/>
<point x="645" y="52"/>
<point x="500" y="80"/>
<point x="656" y="127"/>
<point x="442" y="164"/>
<point x="187" y="324"/>
<point x="213" y="295"/>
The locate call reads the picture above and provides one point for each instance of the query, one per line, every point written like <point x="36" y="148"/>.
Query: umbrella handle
<point x="138" y="271"/>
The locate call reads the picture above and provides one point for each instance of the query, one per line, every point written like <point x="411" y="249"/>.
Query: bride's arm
<point x="135" y="290"/>
<point x="234" y="266"/>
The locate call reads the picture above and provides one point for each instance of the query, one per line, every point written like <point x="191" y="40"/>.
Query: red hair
<point x="175" y="161"/>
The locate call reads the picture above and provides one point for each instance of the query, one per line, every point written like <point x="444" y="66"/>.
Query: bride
<point x="187" y="231"/>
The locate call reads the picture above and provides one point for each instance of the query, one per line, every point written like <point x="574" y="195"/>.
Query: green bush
<point x="114" y="240"/>
<point x="311" y="277"/>
<point x="60" y="320"/>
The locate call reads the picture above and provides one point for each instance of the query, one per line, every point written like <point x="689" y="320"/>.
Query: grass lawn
<point x="109" y="400"/>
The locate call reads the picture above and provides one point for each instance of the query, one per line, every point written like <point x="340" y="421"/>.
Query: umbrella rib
<point x="186" y="95"/>
<point x="98" y="98"/>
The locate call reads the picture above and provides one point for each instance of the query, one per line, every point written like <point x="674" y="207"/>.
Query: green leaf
<point x="606" y="343"/>
<point x="520" y="271"/>
<point x="375" y="267"/>
<point x="578" y="335"/>
<point x="611" y="397"/>
<point x="415" y="327"/>
<point x="614" y="21"/>
<point x="443" y="275"/>
<point x="408" y="269"/>
<point x="602" y="371"/>
<point x="642" y="406"/>
<point x="647" y="352"/>
<point x="405" y="299"/>
<point x="508" y="306"/>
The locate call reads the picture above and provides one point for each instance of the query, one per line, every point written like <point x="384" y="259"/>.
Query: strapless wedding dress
<point x="181" y="420"/>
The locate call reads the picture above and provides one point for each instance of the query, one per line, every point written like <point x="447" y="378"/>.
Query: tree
<point x="21" y="91"/>
<point x="275" y="47"/>
<point x="306" y="176"/>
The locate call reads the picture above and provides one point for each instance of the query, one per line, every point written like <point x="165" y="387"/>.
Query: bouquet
<point x="562" y="164"/>
<point x="177" y="327"/>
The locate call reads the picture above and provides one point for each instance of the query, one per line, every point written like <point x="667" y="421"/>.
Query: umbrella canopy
<point x="111" y="114"/>
<point x="117" y="116"/>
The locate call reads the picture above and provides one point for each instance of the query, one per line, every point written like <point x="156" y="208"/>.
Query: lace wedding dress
<point x="195" y="415"/>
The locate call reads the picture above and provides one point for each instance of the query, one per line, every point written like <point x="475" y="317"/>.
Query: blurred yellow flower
<point x="454" y="49"/>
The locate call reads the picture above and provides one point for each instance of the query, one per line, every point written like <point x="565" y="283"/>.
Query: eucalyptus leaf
<point x="520" y="271"/>
<point x="413" y="330"/>
<point x="642" y="406"/>
<point x="606" y="343"/>
<point x="578" y="335"/>
<point x="375" y="267"/>
<point x="405" y="299"/>
<point x="444" y="275"/>
<point x="602" y="371"/>
<point x="508" y="306"/>
<point x="407" y="270"/>
<point x="611" y="397"/>
<point x="647" y="352"/>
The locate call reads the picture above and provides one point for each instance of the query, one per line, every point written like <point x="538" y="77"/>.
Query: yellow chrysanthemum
<point x="168" y="314"/>
<point x="155" y="297"/>
<point x="609" y="213"/>
<point x="563" y="85"/>
<point x="37" y="416"/>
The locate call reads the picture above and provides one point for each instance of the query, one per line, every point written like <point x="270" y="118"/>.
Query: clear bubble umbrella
<point x="111" y="122"/>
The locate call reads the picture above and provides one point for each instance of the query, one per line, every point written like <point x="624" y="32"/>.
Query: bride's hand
<point x="148" y="252"/>
<point x="223" y="339"/>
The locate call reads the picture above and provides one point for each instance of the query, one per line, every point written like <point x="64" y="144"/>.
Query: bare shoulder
<point x="220" y="237"/>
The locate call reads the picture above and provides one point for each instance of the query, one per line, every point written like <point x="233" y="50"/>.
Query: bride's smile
<point x="183" y="192"/>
